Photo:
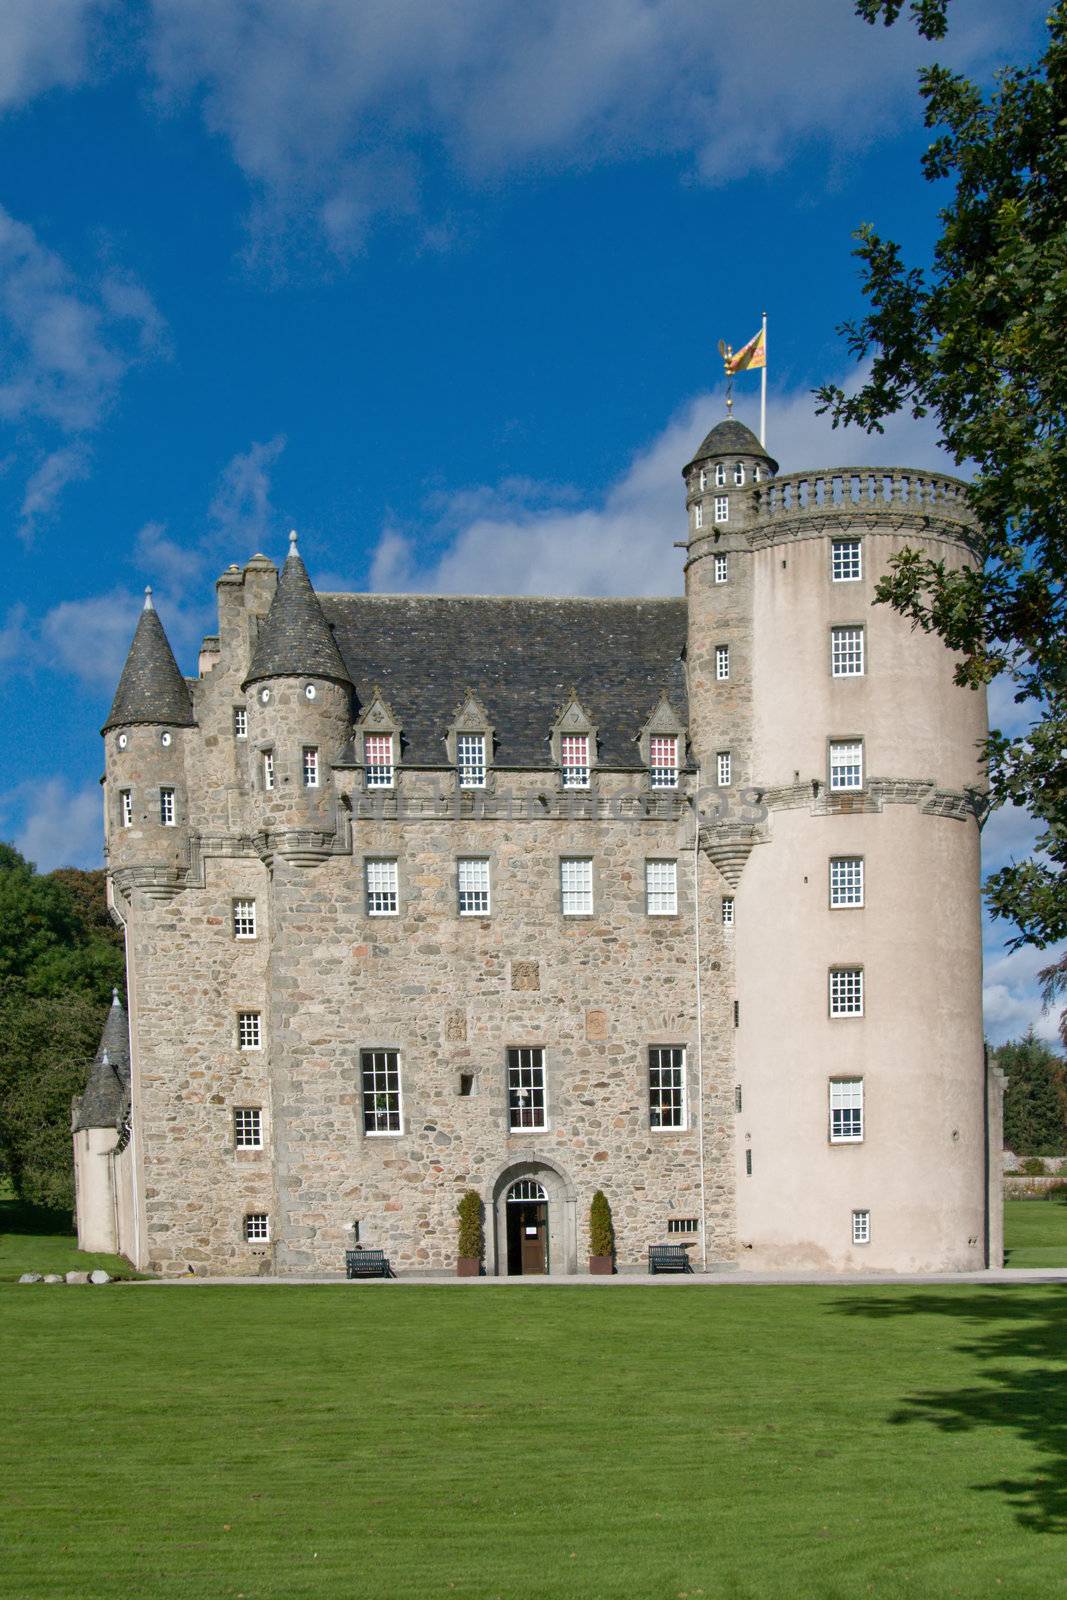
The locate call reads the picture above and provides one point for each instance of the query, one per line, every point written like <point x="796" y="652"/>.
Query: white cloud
<point x="16" y="641"/>
<point x="1012" y="995"/>
<point x="47" y="482"/>
<point x="44" y="44"/>
<point x="240" y="513"/>
<point x="55" y="824"/>
<point x="90" y="638"/>
<point x="335" y="110"/>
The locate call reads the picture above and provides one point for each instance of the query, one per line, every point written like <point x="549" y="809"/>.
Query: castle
<point x="673" y="898"/>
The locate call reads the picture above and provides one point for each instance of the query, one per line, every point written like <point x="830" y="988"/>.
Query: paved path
<point x="995" y="1278"/>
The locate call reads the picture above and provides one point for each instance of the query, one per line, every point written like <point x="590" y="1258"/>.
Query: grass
<point x="1035" y="1233"/>
<point x="35" y="1240"/>
<point x="347" y="1442"/>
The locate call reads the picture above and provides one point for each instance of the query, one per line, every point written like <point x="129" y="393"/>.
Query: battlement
<point x="932" y="497"/>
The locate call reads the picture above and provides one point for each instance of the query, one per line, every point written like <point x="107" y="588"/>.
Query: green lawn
<point x="1035" y="1233"/>
<point x="214" y="1443"/>
<point x="34" y="1240"/>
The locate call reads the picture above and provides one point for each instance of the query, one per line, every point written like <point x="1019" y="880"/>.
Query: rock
<point x="53" y="1277"/>
<point x="31" y="1277"/>
<point x="77" y="1277"/>
<point x="99" y="1276"/>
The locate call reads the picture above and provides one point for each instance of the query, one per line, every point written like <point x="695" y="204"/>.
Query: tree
<point x="976" y="340"/>
<point x="1035" y="1108"/>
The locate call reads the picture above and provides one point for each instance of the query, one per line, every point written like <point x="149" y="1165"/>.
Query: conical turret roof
<point x="151" y="689"/>
<point x="295" y="640"/>
<point x="104" y="1103"/>
<point x="731" y="438"/>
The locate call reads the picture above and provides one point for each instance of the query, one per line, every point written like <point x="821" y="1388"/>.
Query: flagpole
<point x="763" y="390"/>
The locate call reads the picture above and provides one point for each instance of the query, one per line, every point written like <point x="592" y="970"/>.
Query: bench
<point x="367" y="1264"/>
<point x="668" y="1258"/>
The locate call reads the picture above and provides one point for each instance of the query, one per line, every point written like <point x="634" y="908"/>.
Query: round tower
<point x="145" y="736"/>
<point x="299" y="698"/>
<point x="856" y="935"/>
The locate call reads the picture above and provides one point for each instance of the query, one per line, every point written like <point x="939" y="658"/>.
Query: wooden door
<point x="534" y="1238"/>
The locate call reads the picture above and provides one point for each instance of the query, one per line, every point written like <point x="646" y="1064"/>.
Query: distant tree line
<point x="1035" y="1101"/>
<point x="60" y="957"/>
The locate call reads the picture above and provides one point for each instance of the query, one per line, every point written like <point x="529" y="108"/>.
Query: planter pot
<point x="468" y="1267"/>
<point x="602" y="1266"/>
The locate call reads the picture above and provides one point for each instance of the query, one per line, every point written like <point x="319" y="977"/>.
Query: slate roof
<point x="106" y="1100"/>
<point x="731" y="438"/>
<point x="294" y="641"/>
<point x="521" y="657"/>
<point x="151" y="689"/>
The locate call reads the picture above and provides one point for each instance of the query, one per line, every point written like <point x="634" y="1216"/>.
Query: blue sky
<point x="437" y="283"/>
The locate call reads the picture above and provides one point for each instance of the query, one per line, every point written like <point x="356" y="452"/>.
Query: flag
<point x="753" y="354"/>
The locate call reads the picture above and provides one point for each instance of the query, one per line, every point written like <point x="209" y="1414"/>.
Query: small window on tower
<point x="126" y="807"/>
<point x="244" y="919"/>
<point x="739" y="473"/>
<point x="722" y="662"/>
<point x="698" y="515"/>
<point x="311" y="767"/>
<point x="166" y="807"/>
<point x="720" y="475"/>
<point x="722" y="508"/>
<point x="724" y="769"/>
<point x="722" y="569"/>
<point x="727" y="910"/>
<point x="268" y="769"/>
<point x="240" y="722"/>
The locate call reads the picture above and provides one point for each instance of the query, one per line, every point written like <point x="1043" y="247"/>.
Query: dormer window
<point x="574" y="760"/>
<point x="378" y="760"/>
<point x="470" y="760"/>
<point x="739" y="473"/>
<point x="720" y="476"/>
<point x="663" y="766"/>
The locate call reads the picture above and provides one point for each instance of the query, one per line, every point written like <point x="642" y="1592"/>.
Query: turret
<point x="145" y="735"/>
<point x="99" y="1120"/>
<point x="299" y="698"/>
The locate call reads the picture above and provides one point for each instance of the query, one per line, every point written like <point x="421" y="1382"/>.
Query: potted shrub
<point x="601" y="1235"/>
<point x="471" y="1236"/>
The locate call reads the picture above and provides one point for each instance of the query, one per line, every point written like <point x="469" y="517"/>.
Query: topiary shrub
<point x="1033" y="1167"/>
<point x="1058" y="1191"/>
<point x="601" y="1229"/>
<point x="471" y="1233"/>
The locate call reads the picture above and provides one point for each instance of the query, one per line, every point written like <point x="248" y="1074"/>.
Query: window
<point x="703" y="479"/>
<point x="683" y="1224"/>
<point x="466" y="1084"/>
<point x="381" y="1091"/>
<point x="738" y="1097"/>
<point x="846" y="562"/>
<point x="574" y="759"/>
<point x="861" y="1227"/>
<point x="846" y="1110"/>
<point x="470" y="758"/>
<point x="846" y="764"/>
<point x="244" y="919"/>
<point x="166" y="807"/>
<point x="722" y="662"/>
<point x="526" y="1088"/>
<point x="723" y="769"/>
<point x="722" y="508"/>
<point x="257" y="1227"/>
<point x="846" y="880"/>
<point x="311" y="767"/>
<point x="722" y="569"/>
<point x="249" y="1033"/>
<point x="727" y="910"/>
<point x="240" y="722"/>
<point x="576" y="882"/>
<point x="720" y="475"/>
<point x="757" y="473"/>
<point x="383" y="890"/>
<point x="748" y="1163"/>
<point x="846" y="652"/>
<point x="666" y="1086"/>
<point x="698" y="515"/>
<point x="739" y="473"/>
<point x="661" y="888"/>
<point x="378" y="760"/>
<point x="473" y="879"/>
<point x="126" y="807"/>
<point x="663" y="761"/>
<point x="846" y="992"/>
<point x="268" y="769"/>
<point x="248" y="1128"/>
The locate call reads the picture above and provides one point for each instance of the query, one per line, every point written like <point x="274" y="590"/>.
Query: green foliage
<point x="929" y="15"/>
<point x="37" y="1239"/>
<point x="1057" y="1192"/>
<point x="1033" y="1167"/>
<point x="1034" y="1102"/>
<point x="471" y="1232"/>
<point x="977" y="341"/>
<point x="601" y="1227"/>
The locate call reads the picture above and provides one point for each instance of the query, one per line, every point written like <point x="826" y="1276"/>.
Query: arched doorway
<point x="526" y="1220"/>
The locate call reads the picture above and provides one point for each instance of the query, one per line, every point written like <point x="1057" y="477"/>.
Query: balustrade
<point x="862" y="488"/>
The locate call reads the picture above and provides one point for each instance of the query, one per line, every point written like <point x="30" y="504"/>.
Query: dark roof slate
<point x="521" y="657"/>
<point x="105" y="1102"/>
<point x="731" y="438"/>
<point x="151" y="689"/>
<point x="295" y="640"/>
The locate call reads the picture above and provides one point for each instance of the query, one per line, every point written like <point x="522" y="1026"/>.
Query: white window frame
<point x="861" y="1226"/>
<point x="473" y="889"/>
<point x="268" y="769"/>
<point x="685" y="1225"/>
<point x="381" y="886"/>
<point x="380" y="771"/>
<point x="168" y="808"/>
<point x="847" y="650"/>
<point x="847" y="886"/>
<point x="248" y="1128"/>
<point x="724" y="769"/>
<point x="703" y="479"/>
<point x="846" y="560"/>
<point x="126" y="808"/>
<point x="722" y="567"/>
<point x="720" y="475"/>
<point x="576" y="886"/>
<point x="846" y="766"/>
<point x="847" y="1121"/>
<point x="527" y="1086"/>
<point x="667" y="1088"/>
<point x="310" y="766"/>
<point x="739" y="473"/>
<point x="846" y="992"/>
<point x="722" y="663"/>
<point x="663" y="760"/>
<point x="728" y="911"/>
<point x="249" y="1030"/>
<point x="470" y="760"/>
<point x="383" y="1100"/>
<point x="257" y="1227"/>
<point x="722" y="508"/>
<point x="243" y="909"/>
<point x="698" y="514"/>
<point x="574" y="760"/>
<point x="661" y="887"/>
<point x="240" y="722"/>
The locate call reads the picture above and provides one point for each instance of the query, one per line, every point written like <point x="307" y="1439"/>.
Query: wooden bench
<point x="668" y="1258"/>
<point x="367" y="1264"/>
